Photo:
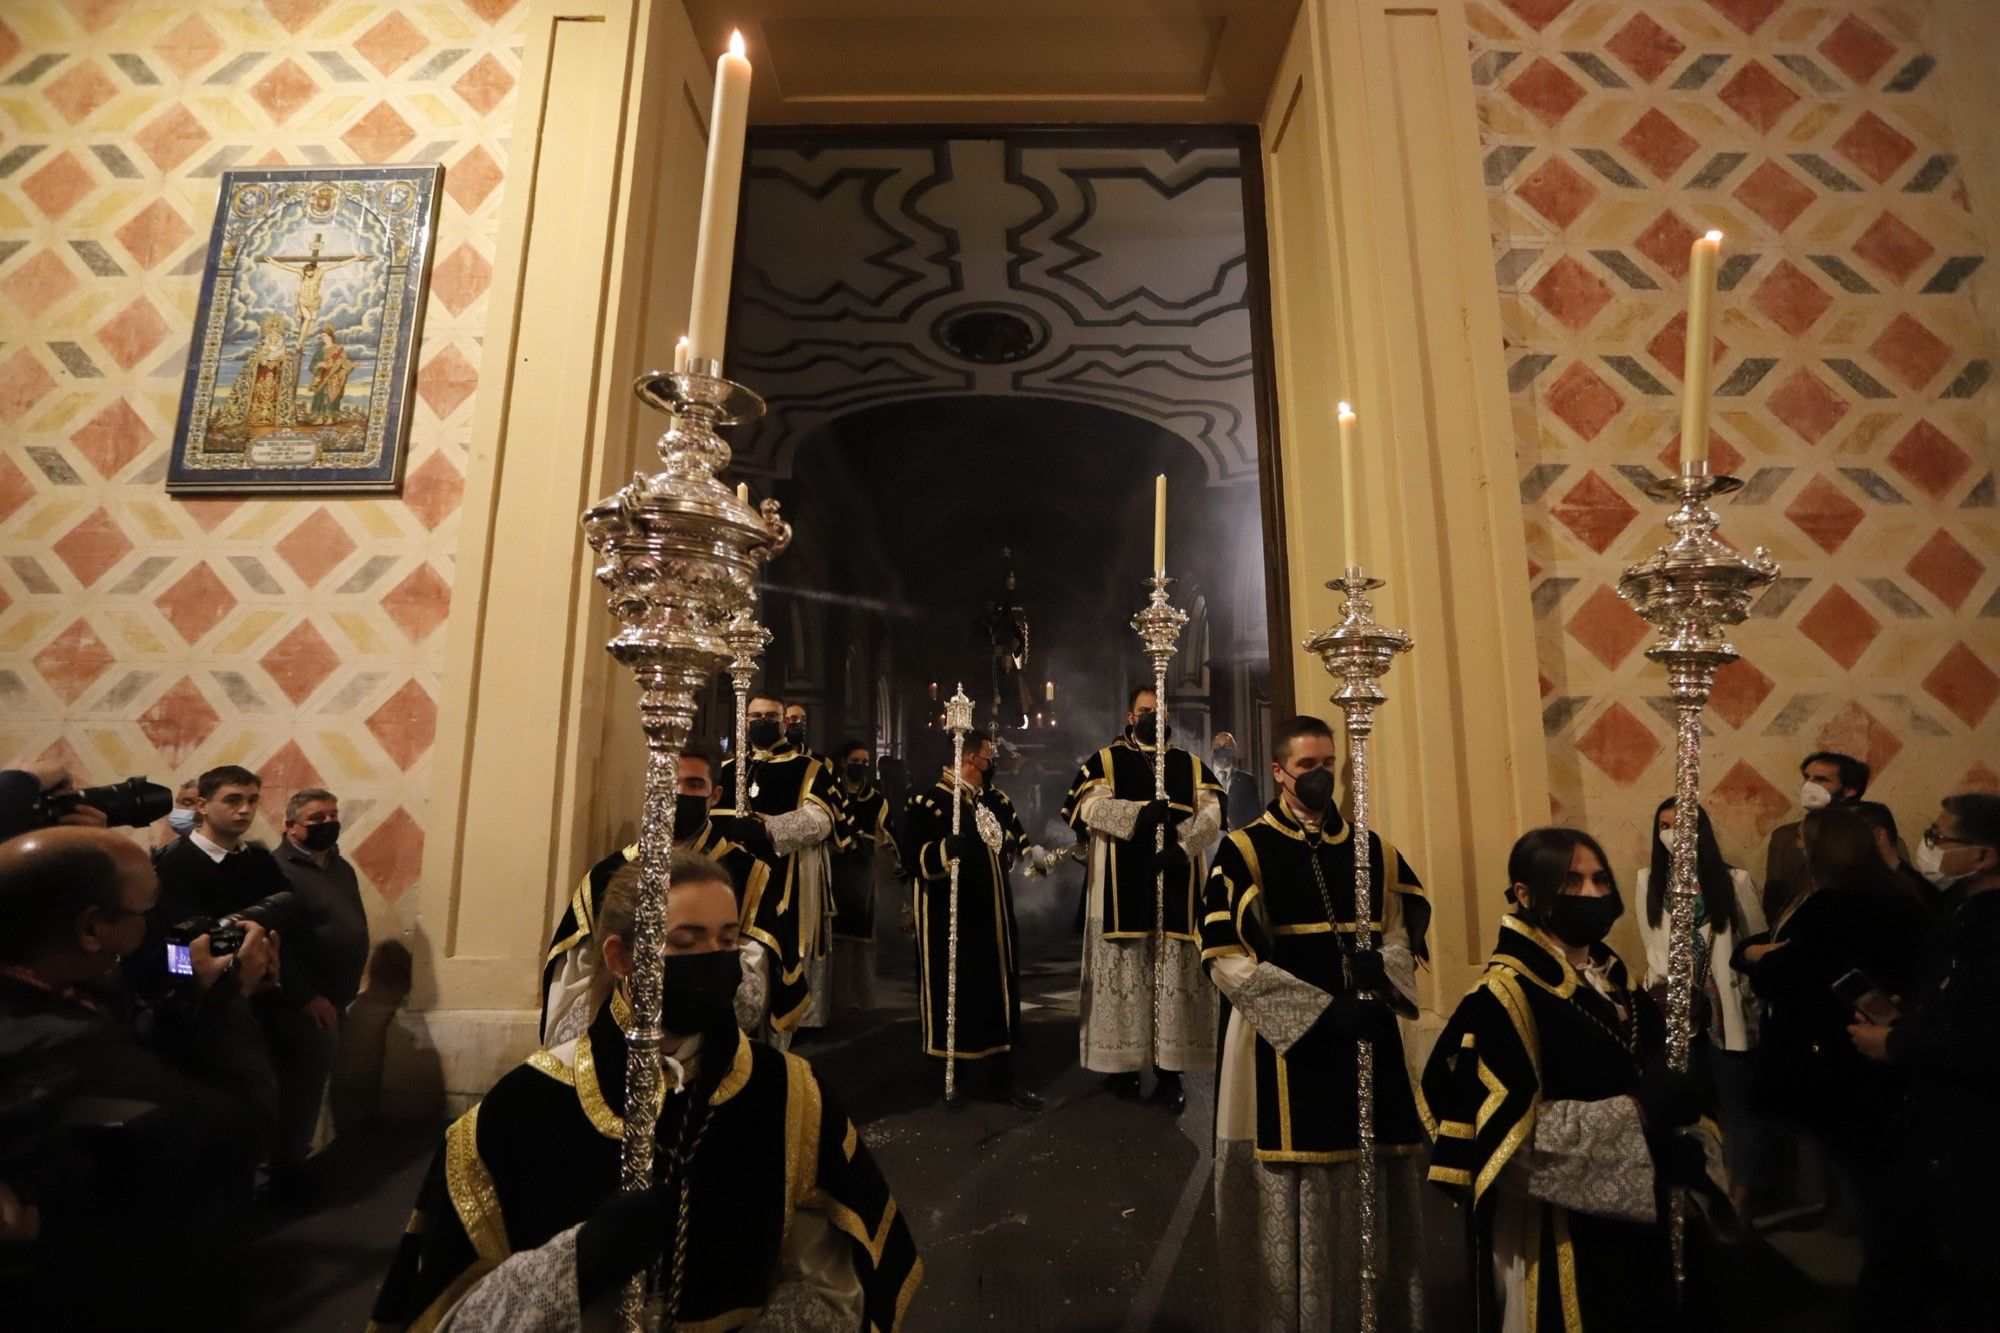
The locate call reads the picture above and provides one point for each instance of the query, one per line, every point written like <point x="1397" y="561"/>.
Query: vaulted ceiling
<point x="1067" y="268"/>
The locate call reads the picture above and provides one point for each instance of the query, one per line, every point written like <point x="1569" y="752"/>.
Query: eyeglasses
<point x="1934" y="839"/>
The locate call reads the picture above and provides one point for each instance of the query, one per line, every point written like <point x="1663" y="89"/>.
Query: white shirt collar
<point x="215" y="852"/>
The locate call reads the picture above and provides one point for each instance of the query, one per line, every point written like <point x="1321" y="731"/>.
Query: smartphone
<point x="180" y="960"/>
<point x="1860" y="991"/>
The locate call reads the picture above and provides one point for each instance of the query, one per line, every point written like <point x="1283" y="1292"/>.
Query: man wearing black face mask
<point x="793" y="824"/>
<point x="1126" y="958"/>
<point x="570" y="974"/>
<point x="1240" y="805"/>
<point x="1556" y="1117"/>
<point x="1278" y="940"/>
<point x="329" y="937"/>
<point x="768" y="1208"/>
<point x="864" y="843"/>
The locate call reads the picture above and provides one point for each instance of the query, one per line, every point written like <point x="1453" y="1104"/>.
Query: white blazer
<point x="1740" y="1009"/>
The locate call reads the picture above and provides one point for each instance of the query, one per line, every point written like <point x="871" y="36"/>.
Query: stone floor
<point x="1094" y="1215"/>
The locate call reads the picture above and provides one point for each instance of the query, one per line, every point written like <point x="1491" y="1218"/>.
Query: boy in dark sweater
<point x="214" y="872"/>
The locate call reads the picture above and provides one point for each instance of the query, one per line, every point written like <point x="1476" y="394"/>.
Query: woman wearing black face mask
<point x="1555" y="1116"/>
<point x="864" y="846"/>
<point x="754" y="1221"/>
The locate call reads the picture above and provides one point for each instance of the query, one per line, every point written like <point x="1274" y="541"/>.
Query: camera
<point x="133" y="803"/>
<point x="225" y="934"/>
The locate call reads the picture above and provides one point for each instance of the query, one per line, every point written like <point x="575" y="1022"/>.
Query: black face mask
<point x="1225" y="758"/>
<point x="1314" y="790"/>
<point x="322" y="837"/>
<point x="1581" y="922"/>
<point x="858" y="774"/>
<point x="690" y="813"/>
<point x="1147" y="729"/>
<point x="765" y="732"/>
<point x="796" y="734"/>
<point x="698" y="991"/>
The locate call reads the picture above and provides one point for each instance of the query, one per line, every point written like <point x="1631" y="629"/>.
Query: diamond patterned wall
<point x="1852" y="376"/>
<point x="140" y="634"/>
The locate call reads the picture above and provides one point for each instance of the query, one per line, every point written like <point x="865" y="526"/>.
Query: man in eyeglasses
<point x="1947" y="1044"/>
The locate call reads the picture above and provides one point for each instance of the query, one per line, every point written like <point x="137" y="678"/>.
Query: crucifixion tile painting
<point x="301" y="371"/>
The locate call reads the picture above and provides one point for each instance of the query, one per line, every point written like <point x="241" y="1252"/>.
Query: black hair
<point x="1303" y="725"/>
<point x="1879" y="817"/>
<point x="1718" y="886"/>
<point x="1977" y="814"/>
<point x="1540" y="861"/>
<point x="849" y="747"/>
<point x="1853" y="772"/>
<point x="1841" y="857"/>
<point x="43" y="891"/>
<point x="701" y="750"/>
<point x="227" y="775"/>
<point x="1143" y="687"/>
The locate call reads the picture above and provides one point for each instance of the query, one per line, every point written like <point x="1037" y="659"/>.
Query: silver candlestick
<point x="1691" y="589"/>
<point x="958" y="721"/>
<point x="1159" y="624"/>
<point x="1358" y="652"/>
<point x="747" y="639"/>
<point x="679" y="554"/>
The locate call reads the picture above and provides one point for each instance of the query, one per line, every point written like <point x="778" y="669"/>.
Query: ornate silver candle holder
<point x="747" y="639"/>
<point x="678" y="555"/>
<point x="958" y="721"/>
<point x="1358" y="652"/>
<point x="1159" y="624"/>
<point x="1691" y="589"/>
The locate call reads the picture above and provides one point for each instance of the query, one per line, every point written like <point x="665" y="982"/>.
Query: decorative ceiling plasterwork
<point x="1128" y="265"/>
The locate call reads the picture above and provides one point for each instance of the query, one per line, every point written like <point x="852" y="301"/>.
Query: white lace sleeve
<point x="1592" y="1156"/>
<point x="1398" y="963"/>
<point x="1205" y="829"/>
<point x="753" y="992"/>
<point x="1280" y="1006"/>
<point x="818" y="1290"/>
<point x="796" y="830"/>
<point x="1106" y="814"/>
<point x="530" y="1292"/>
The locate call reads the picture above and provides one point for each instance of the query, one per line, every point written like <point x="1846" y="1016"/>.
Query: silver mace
<point x="1358" y="652"/>
<point x="747" y="639"/>
<point x="1159" y="624"/>
<point x="678" y="555"/>
<point x="1691" y="590"/>
<point x="958" y="721"/>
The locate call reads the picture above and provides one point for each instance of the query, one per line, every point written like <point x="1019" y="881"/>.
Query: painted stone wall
<point x="1853" y="389"/>
<point x="143" y="634"/>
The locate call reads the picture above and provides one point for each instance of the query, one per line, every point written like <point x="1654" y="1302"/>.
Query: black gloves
<point x="963" y="847"/>
<point x="1364" y="968"/>
<point x="1679" y="1160"/>
<point x="1362" y="1020"/>
<point x="1152" y="815"/>
<point x="1667" y="1100"/>
<point x="748" y="832"/>
<point x="1172" y="861"/>
<point x="627" y="1232"/>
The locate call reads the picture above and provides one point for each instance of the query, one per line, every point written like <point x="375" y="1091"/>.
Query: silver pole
<point x="1158" y="625"/>
<point x="958" y="721"/>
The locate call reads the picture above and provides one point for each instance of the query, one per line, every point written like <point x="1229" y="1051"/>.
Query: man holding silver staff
<point x="1144" y="1001"/>
<point x="990" y="841"/>
<point x="792" y="815"/>
<point x="1278" y="939"/>
<point x="571" y="968"/>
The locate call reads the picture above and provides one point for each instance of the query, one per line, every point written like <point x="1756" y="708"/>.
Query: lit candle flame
<point x="736" y="43"/>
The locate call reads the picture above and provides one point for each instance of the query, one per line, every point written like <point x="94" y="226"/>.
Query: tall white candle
<point x="681" y="355"/>
<point x="1698" y="372"/>
<point x="721" y="187"/>
<point x="1350" y="490"/>
<point x="1160" y="523"/>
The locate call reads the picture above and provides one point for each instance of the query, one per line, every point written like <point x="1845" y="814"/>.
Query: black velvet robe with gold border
<point x="1125" y="769"/>
<point x="540" y="1152"/>
<point x="782" y="781"/>
<point x="989" y="1001"/>
<point x="1531" y="1030"/>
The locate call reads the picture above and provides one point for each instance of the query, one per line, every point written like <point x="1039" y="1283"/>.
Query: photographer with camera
<point x="26" y="789"/>
<point x="124" y="1157"/>
<point x="215" y="875"/>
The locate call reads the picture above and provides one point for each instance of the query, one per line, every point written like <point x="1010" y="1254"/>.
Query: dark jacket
<point x="332" y="930"/>
<point x="1949" y="1050"/>
<point x="1808" y="1070"/>
<point x="248" y="880"/>
<point x="137" y="1150"/>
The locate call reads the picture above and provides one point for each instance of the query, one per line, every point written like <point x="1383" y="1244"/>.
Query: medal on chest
<point x="755" y="791"/>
